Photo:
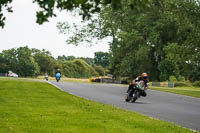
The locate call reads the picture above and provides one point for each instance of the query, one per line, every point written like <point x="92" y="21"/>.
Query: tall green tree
<point x="26" y="65"/>
<point x="101" y="59"/>
<point x="144" y="39"/>
<point x="9" y="60"/>
<point x="45" y="60"/>
<point x="19" y="60"/>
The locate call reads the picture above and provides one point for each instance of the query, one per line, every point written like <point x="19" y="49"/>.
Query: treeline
<point x="28" y="62"/>
<point x="161" y="38"/>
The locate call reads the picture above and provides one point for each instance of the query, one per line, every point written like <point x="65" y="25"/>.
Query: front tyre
<point x="127" y="99"/>
<point x="135" y="97"/>
<point x="129" y="95"/>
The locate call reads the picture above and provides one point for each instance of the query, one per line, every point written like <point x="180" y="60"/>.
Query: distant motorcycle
<point x="139" y="91"/>
<point x="46" y="77"/>
<point x="58" y="75"/>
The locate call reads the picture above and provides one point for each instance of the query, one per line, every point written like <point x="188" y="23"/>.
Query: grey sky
<point x="21" y="29"/>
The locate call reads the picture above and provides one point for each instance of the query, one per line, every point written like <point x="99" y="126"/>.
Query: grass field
<point x="188" y="91"/>
<point x="37" y="107"/>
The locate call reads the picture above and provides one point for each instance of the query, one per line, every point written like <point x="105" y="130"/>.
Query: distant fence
<point x="108" y="80"/>
<point x="113" y="81"/>
<point x="3" y="74"/>
<point x="163" y="84"/>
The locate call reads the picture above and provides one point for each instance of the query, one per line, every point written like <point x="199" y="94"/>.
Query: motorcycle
<point x="46" y="77"/>
<point x="138" y="91"/>
<point x="58" y="75"/>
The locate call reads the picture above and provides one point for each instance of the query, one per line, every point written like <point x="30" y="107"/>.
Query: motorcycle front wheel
<point x="135" y="97"/>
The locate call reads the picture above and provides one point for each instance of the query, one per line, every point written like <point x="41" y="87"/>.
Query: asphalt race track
<point x="181" y="110"/>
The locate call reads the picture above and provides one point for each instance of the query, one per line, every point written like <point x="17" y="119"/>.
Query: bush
<point x="181" y="84"/>
<point x="100" y="70"/>
<point x="78" y="68"/>
<point x="196" y="84"/>
<point x="172" y="79"/>
<point x="181" y="78"/>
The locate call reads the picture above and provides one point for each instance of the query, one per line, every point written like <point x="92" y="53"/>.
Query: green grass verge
<point x="188" y="91"/>
<point x="37" y="107"/>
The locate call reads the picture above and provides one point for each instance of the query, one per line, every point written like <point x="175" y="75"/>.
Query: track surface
<point x="181" y="110"/>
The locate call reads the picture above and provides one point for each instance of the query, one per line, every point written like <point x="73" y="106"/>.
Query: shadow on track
<point x="138" y="102"/>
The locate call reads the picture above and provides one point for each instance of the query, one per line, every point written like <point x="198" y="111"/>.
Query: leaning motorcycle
<point x="139" y="91"/>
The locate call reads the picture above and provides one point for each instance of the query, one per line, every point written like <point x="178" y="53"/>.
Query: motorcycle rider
<point x="58" y="73"/>
<point x="131" y="88"/>
<point x="46" y="77"/>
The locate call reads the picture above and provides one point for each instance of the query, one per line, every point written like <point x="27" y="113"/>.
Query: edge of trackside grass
<point x="38" y="107"/>
<point x="65" y="79"/>
<point x="187" y="91"/>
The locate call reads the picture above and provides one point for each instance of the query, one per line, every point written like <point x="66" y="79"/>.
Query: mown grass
<point x="37" y="107"/>
<point x="187" y="91"/>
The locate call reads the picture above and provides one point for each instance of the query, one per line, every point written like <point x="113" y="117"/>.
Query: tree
<point x="64" y="58"/>
<point x="100" y="70"/>
<point x="143" y="40"/>
<point x="9" y="60"/>
<point x="19" y="60"/>
<point x="4" y="67"/>
<point x="77" y="68"/>
<point x="26" y="65"/>
<point x="4" y="4"/>
<point x="45" y="61"/>
<point x="89" y="61"/>
<point x="84" y="7"/>
<point x="101" y="58"/>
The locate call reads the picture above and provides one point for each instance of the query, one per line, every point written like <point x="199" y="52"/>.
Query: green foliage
<point x="26" y="63"/>
<point x="89" y="61"/>
<point x="4" y="67"/>
<point x="159" y="39"/>
<point x="196" y="83"/>
<point x="45" y="61"/>
<point x="78" y="68"/>
<point x="195" y="74"/>
<point x="64" y="58"/>
<point x="32" y="62"/>
<point x="181" y="78"/>
<point x="85" y="8"/>
<point x="100" y="70"/>
<point x="101" y="58"/>
<point x="166" y="70"/>
<point x="19" y="60"/>
<point x="172" y="79"/>
<point x="181" y="84"/>
<point x="4" y="5"/>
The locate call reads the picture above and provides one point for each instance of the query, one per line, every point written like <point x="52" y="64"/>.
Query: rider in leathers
<point x="131" y="88"/>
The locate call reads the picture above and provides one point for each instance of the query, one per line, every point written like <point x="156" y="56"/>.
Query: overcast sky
<point x="21" y="29"/>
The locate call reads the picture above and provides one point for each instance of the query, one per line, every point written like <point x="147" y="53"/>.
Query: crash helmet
<point x="144" y="76"/>
<point x="57" y="70"/>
